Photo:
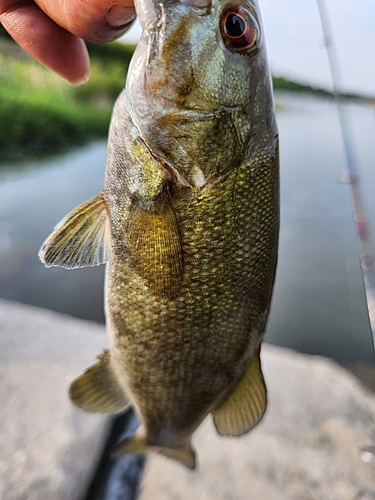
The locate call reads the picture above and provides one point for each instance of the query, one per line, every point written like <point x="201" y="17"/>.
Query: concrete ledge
<point x="306" y="448"/>
<point x="48" y="449"/>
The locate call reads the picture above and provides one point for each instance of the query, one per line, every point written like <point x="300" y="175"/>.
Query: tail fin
<point x="137" y="444"/>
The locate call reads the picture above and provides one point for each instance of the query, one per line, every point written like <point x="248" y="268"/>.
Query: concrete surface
<point x="48" y="449"/>
<point x="308" y="447"/>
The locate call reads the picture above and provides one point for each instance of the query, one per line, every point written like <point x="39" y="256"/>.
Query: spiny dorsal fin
<point x="97" y="391"/>
<point x="154" y="241"/>
<point x="246" y="405"/>
<point x="80" y="239"/>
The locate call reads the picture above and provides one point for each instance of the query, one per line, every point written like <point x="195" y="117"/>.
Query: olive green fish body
<point x="188" y="225"/>
<point x="181" y="353"/>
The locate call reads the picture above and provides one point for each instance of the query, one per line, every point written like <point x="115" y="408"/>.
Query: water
<point x="319" y="305"/>
<point x="34" y="196"/>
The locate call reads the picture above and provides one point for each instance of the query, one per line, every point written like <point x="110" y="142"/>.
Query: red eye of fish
<point x="238" y="29"/>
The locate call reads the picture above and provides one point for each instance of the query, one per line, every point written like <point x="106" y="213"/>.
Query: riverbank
<point x="40" y="112"/>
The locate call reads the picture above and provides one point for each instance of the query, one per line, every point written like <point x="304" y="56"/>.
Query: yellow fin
<point x="154" y="241"/>
<point x="186" y="456"/>
<point x="136" y="444"/>
<point x="80" y="239"/>
<point x="97" y="391"/>
<point x="245" y="406"/>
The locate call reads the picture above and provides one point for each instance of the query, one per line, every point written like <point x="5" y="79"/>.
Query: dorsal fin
<point x="81" y="239"/>
<point x="246" y="404"/>
<point x="97" y="391"/>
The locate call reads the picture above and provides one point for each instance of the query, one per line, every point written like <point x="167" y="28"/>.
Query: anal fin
<point x="80" y="239"/>
<point x="246" y="404"/>
<point x="97" y="391"/>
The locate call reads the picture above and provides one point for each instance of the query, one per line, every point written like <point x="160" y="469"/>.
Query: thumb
<point x="95" y="21"/>
<point x="52" y="31"/>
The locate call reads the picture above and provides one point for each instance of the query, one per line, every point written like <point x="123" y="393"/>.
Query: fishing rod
<point x="352" y="176"/>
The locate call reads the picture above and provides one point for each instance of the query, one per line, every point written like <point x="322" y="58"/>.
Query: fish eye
<point x="239" y="29"/>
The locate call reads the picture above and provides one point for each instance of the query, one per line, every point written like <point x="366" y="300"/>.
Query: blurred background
<point x="52" y="157"/>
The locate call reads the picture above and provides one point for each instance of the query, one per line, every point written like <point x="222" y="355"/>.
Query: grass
<point x="39" y="120"/>
<point x="280" y="83"/>
<point x="41" y="112"/>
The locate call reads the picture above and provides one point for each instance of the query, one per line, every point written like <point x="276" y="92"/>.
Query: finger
<point x="47" y="42"/>
<point x="93" y="20"/>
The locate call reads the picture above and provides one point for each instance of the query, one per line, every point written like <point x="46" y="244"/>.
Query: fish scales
<point x="188" y="226"/>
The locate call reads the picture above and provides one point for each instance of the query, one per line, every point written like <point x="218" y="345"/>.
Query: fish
<point x="187" y="225"/>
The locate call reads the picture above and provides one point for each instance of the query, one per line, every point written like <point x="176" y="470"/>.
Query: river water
<point x="318" y="305"/>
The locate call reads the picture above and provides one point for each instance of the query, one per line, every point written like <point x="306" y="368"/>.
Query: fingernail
<point x="120" y="17"/>
<point x="82" y="80"/>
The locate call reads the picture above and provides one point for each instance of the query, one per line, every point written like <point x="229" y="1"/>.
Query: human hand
<point x="52" y="30"/>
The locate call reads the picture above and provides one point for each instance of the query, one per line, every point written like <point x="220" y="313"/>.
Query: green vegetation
<point x="280" y="83"/>
<point x="41" y="112"/>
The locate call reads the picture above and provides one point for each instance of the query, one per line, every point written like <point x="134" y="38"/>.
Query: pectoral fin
<point x="97" y="391"/>
<point x="245" y="406"/>
<point x="80" y="239"/>
<point x="154" y="241"/>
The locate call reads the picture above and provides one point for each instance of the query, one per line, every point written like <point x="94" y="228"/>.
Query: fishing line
<point x="352" y="176"/>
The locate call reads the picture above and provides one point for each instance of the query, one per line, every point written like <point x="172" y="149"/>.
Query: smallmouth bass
<point x="187" y="224"/>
